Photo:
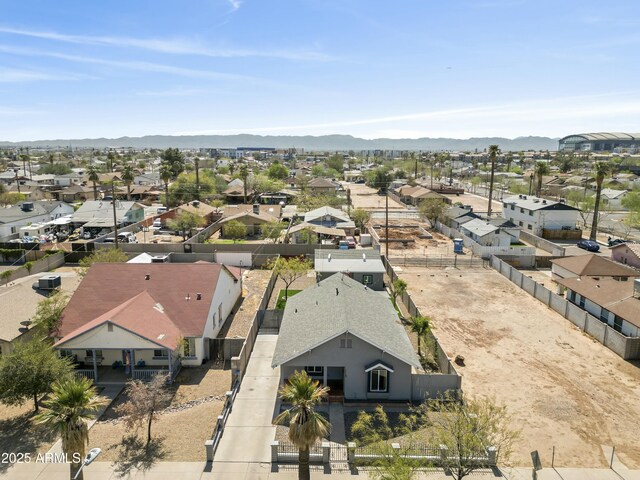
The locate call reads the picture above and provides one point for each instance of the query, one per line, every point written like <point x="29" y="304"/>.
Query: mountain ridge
<point x="308" y="142"/>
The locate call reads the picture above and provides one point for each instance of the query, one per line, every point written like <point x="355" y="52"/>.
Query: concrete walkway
<point x="248" y="434"/>
<point x="336" y="418"/>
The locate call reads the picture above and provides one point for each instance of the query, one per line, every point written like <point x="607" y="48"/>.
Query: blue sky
<point x="369" y="68"/>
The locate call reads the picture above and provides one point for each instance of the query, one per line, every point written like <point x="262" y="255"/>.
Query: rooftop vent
<point x="27" y="206"/>
<point x="544" y="202"/>
<point x="329" y="257"/>
<point x="198" y="296"/>
<point x="256" y="208"/>
<point x="364" y="257"/>
<point x="196" y="203"/>
<point x="519" y="196"/>
<point x="147" y="276"/>
<point x="636" y="288"/>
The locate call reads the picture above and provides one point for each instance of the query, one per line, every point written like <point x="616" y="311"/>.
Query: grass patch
<point x="225" y="241"/>
<point x="281" y="302"/>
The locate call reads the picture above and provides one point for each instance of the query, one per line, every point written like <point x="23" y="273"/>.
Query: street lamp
<point x="91" y="456"/>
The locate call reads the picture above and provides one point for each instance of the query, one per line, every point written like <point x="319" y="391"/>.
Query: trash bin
<point x="457" y="245"/>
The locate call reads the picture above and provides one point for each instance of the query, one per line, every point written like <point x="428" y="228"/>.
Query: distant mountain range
<point x="308" y="142"/>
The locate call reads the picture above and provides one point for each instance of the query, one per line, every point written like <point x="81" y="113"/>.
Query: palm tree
<point x="542" y="169"/>
<point x="165" y="176"/>
<point x="67" y="410"/>
<point x="493" y="153"/>
<point x="306" y="426"/>
<point x="244" y="174"/>
<point x="127" y="178"/>
<point x="602" y="169"/>
<point x="420" y="326"/>
<point x="509" y="160"/>
<point x="92" y="172"/>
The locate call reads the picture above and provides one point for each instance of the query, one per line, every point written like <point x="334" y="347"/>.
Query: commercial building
<point x="601" y="142"/>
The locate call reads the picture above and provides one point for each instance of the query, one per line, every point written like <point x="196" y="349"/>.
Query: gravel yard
<point x="562" y="387"/>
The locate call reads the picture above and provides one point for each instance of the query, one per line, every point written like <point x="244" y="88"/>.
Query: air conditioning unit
<point x="49" y="282"/>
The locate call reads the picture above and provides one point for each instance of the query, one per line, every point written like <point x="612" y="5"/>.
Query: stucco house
<point x="627" y="254"/>
<point x="144" y="318"/>
<point x="330" y="217"/>
<point x="614" y="300"/>
<point x="486" y="233"/>
<point x="590" y="265"/>
<point x="537" y="215"/>
<point x="613" y="198"/>
<point x="348" y="337"/>
<point x="98" y="214"/>
<point x="363" y="265"/>
<point x="254" y="217"/>
<point x="26" y="213"/>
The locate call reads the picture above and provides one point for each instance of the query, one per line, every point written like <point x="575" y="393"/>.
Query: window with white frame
<point x="189" y="347"/>
<point x="379" y="380"/>
<point x="160" y="354"/>
<point x="367" y="279"/>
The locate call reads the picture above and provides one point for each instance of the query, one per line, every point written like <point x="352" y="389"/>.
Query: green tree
<point x="398" y="288"/>
<point x="432" y="209"/>
<point x="185" y="187"/>
<point x="306" y="425"/>
<point x="244" y="175"/>
<point x="70" y="406"/>
<point x="127" y="178"/>
<point x="277" y="171"/>
<point x="468" y="428"/>
<point x="165" y="175"/>
<point x="289" y="270"/>
<point x="49" y="310"/>
<point x="55" y="169"/>
<point x="173" y="157"/>
<point x="144" y="401"/>
<point x="602" y="169"/>
<point x="335" y="162"/>
<point x="420" y="326"/>
<point x="542" y="169"/>
<point x="272" y="230"/>
<point x="103" y="255"/>
<point x="475" y="181"/>
<point x="92" y="174"/>
<point x="631" y="201"/>
<point x="28" y="371"/>
<point x="361" y="218"/>
<point x="234" y="230"/>
<point x="379" y="178"/>
<point x="185" y="223"/>
<point x="493" y="154"/>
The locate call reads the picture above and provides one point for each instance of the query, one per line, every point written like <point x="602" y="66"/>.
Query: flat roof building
<point x="601" y="142"/>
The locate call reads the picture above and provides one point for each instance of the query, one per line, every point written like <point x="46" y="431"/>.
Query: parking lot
<point x="563" y="388"/>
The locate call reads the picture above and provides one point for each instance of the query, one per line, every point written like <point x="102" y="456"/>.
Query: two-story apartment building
<point x="537" y="214"/>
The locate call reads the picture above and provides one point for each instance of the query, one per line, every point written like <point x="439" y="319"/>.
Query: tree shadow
<point x="135" y="454"/>
<point x="20" y="434"/>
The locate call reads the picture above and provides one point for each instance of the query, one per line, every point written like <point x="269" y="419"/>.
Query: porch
<point x="117" y="366"/>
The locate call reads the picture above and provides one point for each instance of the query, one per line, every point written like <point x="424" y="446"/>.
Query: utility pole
<point x="197" y="165"/>
<point x="115" y="218"/>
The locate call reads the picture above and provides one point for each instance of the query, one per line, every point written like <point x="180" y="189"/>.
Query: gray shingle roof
<point x="364" y="260"/>
<point x="318" y="314"/>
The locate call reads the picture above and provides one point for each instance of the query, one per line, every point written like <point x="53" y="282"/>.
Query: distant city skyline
<point x="371" y="69"/>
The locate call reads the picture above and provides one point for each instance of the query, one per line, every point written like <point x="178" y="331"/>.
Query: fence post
<point x="444" y="450"/>
<point x="274" y="451"/>
<point x="208" y="446"/>
<point x="326" y="452"/>
<point x="351" y="453"/>
<point x="491" y="456"/>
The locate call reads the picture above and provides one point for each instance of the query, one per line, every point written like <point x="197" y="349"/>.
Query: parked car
<point x="127" y="237"/>
<point x="343" y="245"/>
<point x="616" y="241"/>
<point x="160" y="210"/>
<point x="74" y="236"/>
<point x="351" y="242"/>
<point x="588" y="245"/>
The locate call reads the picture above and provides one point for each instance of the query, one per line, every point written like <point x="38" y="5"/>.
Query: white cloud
<point x="235" y="4"/>
<point x="177" y="46"/>
<point x="177" y="92"/>
<point x="8" y="75"/>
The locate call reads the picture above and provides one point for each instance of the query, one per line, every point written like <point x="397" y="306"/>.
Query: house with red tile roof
<point x="128" y="320"/>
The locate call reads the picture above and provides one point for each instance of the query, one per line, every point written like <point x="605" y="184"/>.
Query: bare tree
<point x="145" y="400"/>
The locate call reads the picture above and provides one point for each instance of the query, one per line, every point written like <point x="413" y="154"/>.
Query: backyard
<point x="562" y="387"/>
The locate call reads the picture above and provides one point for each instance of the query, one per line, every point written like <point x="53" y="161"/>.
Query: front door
<point x="335" y="381"/>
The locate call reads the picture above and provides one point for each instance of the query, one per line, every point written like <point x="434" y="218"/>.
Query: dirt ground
<point x="562" y="387"/>
<point x="438" y="245"/>
<point x="189" y="421"/>
<point x="368" y="198"/>
<point x="18" y="434"/>
<point x="479" y="204"/>
<point x="254" y="283"/>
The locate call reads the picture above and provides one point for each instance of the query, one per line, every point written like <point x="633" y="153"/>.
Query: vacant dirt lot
<point x="562" y="387"/>
<point x="368" y="198"/>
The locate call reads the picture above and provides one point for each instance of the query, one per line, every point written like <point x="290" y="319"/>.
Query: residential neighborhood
<point x="246" y="240"/>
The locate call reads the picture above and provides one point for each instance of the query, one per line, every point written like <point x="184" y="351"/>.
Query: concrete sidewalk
<point x="249" y="432"/>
